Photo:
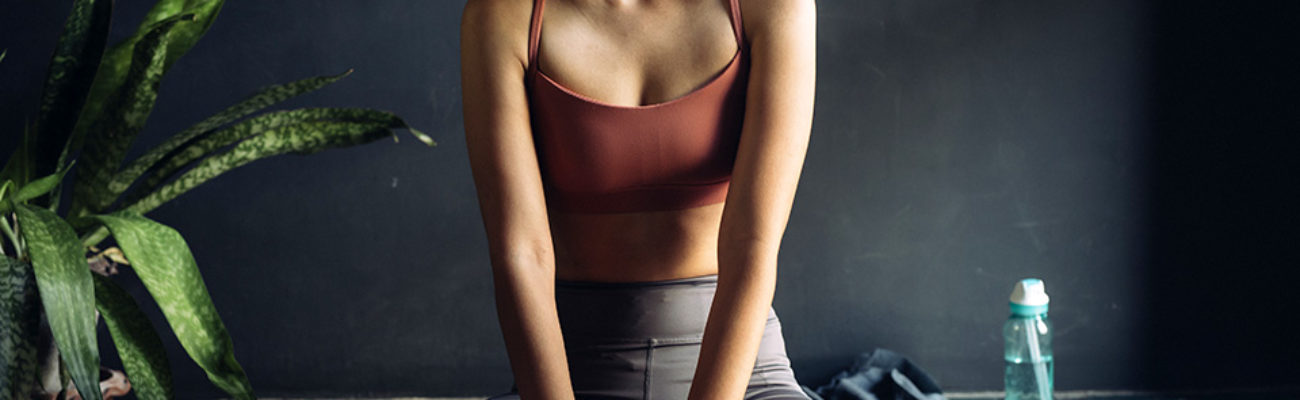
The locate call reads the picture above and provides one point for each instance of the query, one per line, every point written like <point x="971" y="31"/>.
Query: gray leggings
<point x="641" y="340"/>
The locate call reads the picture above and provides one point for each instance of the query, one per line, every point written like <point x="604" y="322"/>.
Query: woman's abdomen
<point x="637" y="247"/>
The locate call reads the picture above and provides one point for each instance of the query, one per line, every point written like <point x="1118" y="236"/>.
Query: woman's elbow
<point x="523" y="258"/>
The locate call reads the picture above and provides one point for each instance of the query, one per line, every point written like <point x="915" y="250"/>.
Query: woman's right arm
<point x="494" y="54"/>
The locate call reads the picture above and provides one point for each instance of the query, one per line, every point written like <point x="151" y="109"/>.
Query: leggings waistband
<point x="697" y="280"/>
<point x="675" y="309"/>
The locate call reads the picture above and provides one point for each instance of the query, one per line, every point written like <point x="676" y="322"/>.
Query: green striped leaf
<point x="40" y="186"/>
<point x="117" y="60"/>
<point x="136" y="341"/>
<point x="303" y="138"/>
<point x="163" y="262"/>
<point x="123" y="117"/>
<point x="262" y="99"/>
<point x="256" y="126"/>
<point x="2" y="54"/>
<point x="67" y="292"/>
<point x="20" y="318"/>
<point x="186" y="36"/>
<point x="33" y="189"/>
<point x="71" y="74"/>
<point x="19" y="167"/>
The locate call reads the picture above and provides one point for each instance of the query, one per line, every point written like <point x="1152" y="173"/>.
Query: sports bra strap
<point x="736" y="24"/>
<point x="535" y="34"/>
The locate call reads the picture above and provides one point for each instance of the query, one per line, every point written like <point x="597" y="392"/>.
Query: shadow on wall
<point x="1222" y="206"/>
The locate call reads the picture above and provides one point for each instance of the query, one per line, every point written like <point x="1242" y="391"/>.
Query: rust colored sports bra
<point x="597" y="157"/>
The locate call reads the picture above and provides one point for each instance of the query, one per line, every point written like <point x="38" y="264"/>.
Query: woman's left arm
<point x="773" y="142"/>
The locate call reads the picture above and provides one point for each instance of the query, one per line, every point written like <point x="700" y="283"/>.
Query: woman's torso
<point x="631" y="54"/>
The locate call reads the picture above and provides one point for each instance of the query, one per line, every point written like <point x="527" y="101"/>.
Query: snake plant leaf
<point x="2" y="54"/>
<point x="40" y="186"/>
<point x="20" y="315"/>
<point x="303" y="138"/>
<point x="187" y="36"/>
<point x="123" y="117"/>
<point x="136" y="341"/>
<point x="71" y="74"/>
<point x="117" y="59"/>
<point x="67" y="292"/>
<point x="33" y="189"/>
<point x="255" y="126"/>
<point x="164" y="263"/>
<point x="19" y="167"/>
<point x="261" y="99"/>
<point x="4" y="188"/>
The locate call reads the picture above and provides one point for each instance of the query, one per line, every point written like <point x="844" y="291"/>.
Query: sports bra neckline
<point x="731" y="66"/>
<point x="534" y="70"/>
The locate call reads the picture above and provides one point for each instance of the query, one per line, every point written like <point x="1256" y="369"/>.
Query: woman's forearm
<point x="734" y="330"/>
<point x="525" y="300"/>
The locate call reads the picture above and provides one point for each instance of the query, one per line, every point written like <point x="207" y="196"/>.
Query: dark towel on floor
<point x="879" y="375"/>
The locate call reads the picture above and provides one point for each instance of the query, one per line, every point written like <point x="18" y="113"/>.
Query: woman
<point x="635" y="162"/>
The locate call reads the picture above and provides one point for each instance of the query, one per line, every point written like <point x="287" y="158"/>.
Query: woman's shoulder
<point x="762" y="16"/>
<point x="488" y="11"/>
<point x="500" y="24"/>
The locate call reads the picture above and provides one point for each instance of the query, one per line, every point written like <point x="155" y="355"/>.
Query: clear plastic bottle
<point x="1028" y="338"/>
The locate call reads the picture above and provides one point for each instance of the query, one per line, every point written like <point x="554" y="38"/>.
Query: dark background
<point x="1137" y="156"/>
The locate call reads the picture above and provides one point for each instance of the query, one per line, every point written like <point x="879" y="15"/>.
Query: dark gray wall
<point x="1131" y="154"/>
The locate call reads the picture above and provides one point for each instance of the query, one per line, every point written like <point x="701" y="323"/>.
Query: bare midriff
<point x="636" y="247"/>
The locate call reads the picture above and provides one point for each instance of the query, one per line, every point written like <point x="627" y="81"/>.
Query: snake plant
<point x="95" y="100"/>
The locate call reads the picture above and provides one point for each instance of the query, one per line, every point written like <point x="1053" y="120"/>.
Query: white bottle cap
<point x="1029" y="297"/>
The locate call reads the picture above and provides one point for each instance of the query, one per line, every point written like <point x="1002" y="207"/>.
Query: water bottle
<point x="1028" y="338"/>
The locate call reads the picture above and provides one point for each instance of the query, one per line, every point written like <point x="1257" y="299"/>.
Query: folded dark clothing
<point x="879" y="375"/>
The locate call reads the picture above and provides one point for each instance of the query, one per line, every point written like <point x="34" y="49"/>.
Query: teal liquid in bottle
<point x="1027" y="335"/>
